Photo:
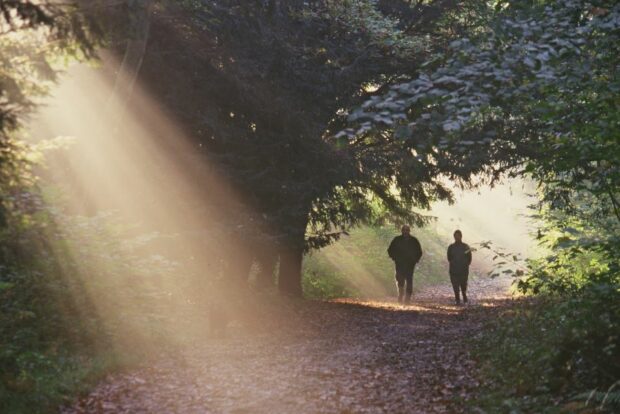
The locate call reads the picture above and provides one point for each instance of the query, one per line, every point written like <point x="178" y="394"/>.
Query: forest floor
<point x="344" y="356"/>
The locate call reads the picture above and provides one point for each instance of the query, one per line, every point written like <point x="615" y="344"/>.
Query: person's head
<point x="405" y="230"/>
<point x="458" y="236"/>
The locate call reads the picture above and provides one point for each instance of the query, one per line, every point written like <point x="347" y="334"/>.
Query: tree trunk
<point x="289" y="280"/>
<point x="291" y="258"/>
<point x="292" y="251"/>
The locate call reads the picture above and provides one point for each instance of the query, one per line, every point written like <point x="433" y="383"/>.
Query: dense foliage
<point x="33" y="36"/>
<point x="46" y="323"/>
<point x="535" y="94"/>
<point x="274" y="76"/>
<point x="323" y="115"/>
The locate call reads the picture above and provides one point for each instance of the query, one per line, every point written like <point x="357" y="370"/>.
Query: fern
<point x="604" y="399"/>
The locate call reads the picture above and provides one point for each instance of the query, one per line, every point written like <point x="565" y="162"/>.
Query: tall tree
<point x="264" y="91"/>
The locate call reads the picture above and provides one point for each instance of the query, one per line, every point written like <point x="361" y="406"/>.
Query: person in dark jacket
<point x="406" y="252"/>
<point x="459" y="257"/>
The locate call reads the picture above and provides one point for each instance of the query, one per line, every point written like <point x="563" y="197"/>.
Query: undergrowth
<point x="553" y="354"/>
<point x="75" y="304"/>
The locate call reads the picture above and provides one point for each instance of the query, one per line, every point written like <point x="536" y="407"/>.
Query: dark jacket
<point x="405" y="251"/>
<point x="459" y="256"/>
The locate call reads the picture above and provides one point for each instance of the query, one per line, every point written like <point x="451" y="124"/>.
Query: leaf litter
<point x="343" y="356"/>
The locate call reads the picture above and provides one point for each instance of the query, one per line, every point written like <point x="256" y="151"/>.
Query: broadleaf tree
<point x="273" y="78"/>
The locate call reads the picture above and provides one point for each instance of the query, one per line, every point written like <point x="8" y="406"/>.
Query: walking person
<point x="406" y="252"/>
<point x="459" y="257"/>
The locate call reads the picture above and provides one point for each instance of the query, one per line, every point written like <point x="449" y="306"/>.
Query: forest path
<point x="344" y="356"/>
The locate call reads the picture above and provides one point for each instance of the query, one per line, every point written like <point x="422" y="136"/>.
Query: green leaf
<point x="6" y="285"/>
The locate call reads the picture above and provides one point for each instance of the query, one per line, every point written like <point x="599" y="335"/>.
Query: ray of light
<point x="141" y="208"/>
<point x="498" y="214"/>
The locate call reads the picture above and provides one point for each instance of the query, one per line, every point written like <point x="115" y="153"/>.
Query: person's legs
<point x="409" y="280"/>
<point x="455" y="286"/>
<point x="464" y="286"/>
<point x="400" y="283"/>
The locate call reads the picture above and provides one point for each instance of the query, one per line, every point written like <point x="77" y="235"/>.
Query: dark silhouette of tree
<point x="263" y="84"/>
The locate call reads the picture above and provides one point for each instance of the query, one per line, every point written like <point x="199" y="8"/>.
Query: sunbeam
<point x="159" y="209"/>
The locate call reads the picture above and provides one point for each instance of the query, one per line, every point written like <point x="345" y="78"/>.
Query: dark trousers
<point x="459" y="283"/>
<point x="404" y="281"/>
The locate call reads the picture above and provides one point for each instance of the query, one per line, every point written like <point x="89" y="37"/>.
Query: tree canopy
<point x="274" y="78"/>
<point x="535" y="94"/>
<point x="317" y="116"/>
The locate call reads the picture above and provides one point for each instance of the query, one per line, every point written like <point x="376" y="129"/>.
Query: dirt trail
<point x="334" y="357"/>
